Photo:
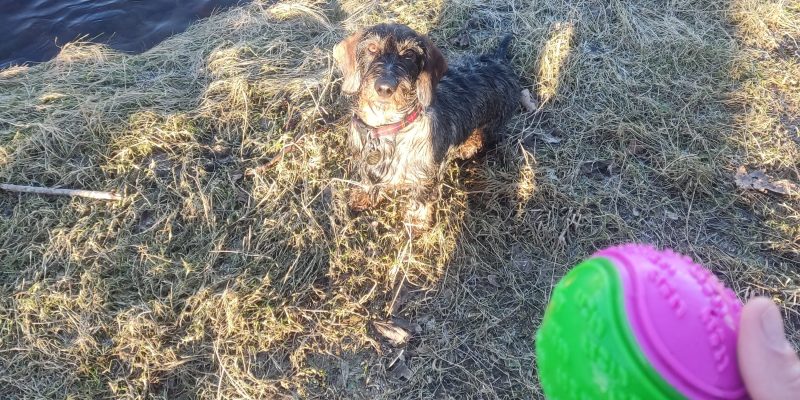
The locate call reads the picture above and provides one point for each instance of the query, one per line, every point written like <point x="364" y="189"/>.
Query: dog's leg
<point x="420" y="212"/>
<point x="471" y="146"/>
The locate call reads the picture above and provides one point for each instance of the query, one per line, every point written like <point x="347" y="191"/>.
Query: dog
<point x="413" y="114"/>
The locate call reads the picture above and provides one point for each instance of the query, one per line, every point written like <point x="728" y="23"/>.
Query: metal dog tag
<point x="373" y="157"/>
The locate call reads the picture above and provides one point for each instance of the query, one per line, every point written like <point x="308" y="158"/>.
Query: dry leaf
<point x="758" y="180"/>
<point x="392" y="332"/>
<point x="786" y="186"/>
<point x="412" y="327"/>
<point x="428" y="322"/>
<point x="548" y="138"/>
<point x="400" y="356"/>
<point x="400" y="299"/>
<point x="528" y="101"/>
<point x="402" y="294"/>
<point x="401" y="371"/>
<point x="671" y="215"/>
<point x="462" y="40"/>
<point x="235" y="177"/>
<point x="603" y="167"/>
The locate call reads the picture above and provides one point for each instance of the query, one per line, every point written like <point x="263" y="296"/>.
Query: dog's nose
<point x="385" y="86"/>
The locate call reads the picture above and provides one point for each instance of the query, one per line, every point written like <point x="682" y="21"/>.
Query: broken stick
<point x="61" y="192"/>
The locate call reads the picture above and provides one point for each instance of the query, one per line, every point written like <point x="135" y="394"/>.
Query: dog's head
<point x="390" y="66"/>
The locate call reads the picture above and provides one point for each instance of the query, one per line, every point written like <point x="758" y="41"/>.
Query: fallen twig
<point x="61" y="192"/>
<point x="289" y="148"/>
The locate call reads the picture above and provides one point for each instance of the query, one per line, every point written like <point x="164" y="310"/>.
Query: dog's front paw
<point x="359" y="200"/>
<point x="419" y="217"/>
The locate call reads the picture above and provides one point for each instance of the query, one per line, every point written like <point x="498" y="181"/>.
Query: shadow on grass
<point x="217" y="278"/>
<point x="149" y="296"/>
<point x="635" y="144"/>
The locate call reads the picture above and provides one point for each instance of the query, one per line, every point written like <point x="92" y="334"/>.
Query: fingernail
<point x="772" y="327"/>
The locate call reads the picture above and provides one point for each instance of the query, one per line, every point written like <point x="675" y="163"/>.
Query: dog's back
<point x="476" y="93"/>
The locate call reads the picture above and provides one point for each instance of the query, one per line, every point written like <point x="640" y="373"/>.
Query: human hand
<point x="767" y="361"/>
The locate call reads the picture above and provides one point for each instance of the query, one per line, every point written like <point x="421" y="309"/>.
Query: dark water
<point x="32" y="30"/>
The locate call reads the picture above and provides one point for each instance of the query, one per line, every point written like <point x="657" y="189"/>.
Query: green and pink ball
<point x="633" y="322"/>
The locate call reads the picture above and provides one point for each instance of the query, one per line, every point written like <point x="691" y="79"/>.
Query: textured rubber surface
<point x="637" y="323"/>
<point x="585" y="348"/>
<point x="683" y="318"/>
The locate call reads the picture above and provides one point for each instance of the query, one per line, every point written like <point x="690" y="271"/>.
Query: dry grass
<point x="219" y="279"/>
<point x="552" y="59"/>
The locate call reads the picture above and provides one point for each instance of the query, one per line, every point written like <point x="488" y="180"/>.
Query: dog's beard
<point x="376" y="111"/>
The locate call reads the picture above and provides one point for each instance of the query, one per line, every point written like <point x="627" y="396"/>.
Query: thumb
<point x="769" y="366"/>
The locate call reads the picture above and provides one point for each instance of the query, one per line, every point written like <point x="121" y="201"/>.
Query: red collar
<point x="377" y="132"/>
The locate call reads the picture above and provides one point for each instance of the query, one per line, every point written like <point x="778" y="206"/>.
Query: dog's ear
<point x="433" y="68"/>
<point x="345" y="54"/>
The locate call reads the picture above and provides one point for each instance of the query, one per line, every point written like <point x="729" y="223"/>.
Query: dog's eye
<point x="409" y="54"/>
<point x="372" y="48"/>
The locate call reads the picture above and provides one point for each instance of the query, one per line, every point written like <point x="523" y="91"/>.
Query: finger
<point x="768" y="363"/>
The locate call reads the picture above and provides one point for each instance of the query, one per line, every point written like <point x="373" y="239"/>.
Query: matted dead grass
<point x="229" y="273"/>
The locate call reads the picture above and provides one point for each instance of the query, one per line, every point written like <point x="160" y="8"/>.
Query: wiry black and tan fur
<point x="393" y="71"/>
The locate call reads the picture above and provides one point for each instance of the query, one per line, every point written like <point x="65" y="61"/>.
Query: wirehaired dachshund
<point x="413" y="113"/>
